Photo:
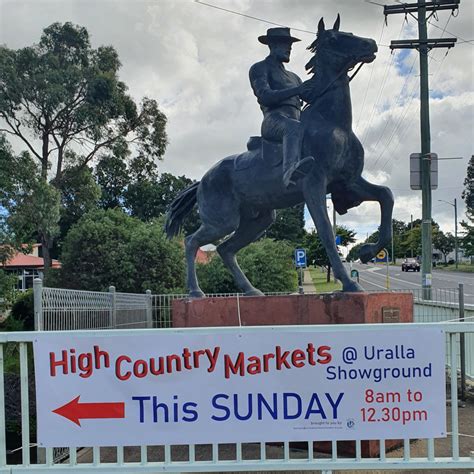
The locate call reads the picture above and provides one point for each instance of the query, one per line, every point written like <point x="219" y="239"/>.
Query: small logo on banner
<point x="350" y="423"/>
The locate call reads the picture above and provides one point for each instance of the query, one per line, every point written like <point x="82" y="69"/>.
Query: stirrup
<point x="298" y="171"/>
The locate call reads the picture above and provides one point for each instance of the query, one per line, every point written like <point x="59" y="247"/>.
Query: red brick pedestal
<point x="333" y="308"/>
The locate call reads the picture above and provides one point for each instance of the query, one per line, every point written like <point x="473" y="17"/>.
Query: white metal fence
<point x="62" y="309"/>
<point x="59" y="309"/>
<point x="215" y="457"/>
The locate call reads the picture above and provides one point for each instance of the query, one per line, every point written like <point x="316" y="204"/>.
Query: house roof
<point x="202" y="256"/>
<point x="21" y="260"/>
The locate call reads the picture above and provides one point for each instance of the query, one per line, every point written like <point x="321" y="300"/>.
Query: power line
<point x="403" y="114"/>
<point x="367" y="127"/>
<point x="370" y="80"/>
<point x="251" y="17"/>
<point x="233" y="12"/>
<point x="408" y="77"/>
<point x="408" y="124"/>
<point x="452" y="34"/>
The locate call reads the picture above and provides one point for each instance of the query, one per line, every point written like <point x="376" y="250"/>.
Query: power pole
<point x="424" y="45"/>
<point x="456" y="231"/>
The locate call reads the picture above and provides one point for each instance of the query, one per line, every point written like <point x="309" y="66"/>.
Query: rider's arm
<point x="261" y="88"/>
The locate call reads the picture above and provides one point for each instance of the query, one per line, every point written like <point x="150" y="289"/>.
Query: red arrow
<point x="76" y="411"/>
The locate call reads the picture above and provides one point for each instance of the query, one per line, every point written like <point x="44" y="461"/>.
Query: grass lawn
<point x="319" y="281"/>
<point x="462" y="267"/>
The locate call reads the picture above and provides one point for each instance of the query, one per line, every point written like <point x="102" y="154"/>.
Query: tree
<point x="135" y="186"/>
<point x="79" y="194"/>
<point x="16" y="179"/>
<point x="412" y="237"/>
<point x="113" y="178"/>
<point x="37" y="215"/>
<point x="31" y="204"/>
<point x="353" y="254"/>
<point x="7" y="289"/>
<point x="317" y="252"/>
<point x="468" y="196"/>
<point x="468" y="239"/>
<point x="468" y="192"/>
<point x="107" y="247"/>
<point x="267" y="263"/>
<point x="399" y="229"/>
<point x="63" y="93"/>
<point x="445" y="243"/>
<point x="150" y="198"/>
<point x="289" y="225"/>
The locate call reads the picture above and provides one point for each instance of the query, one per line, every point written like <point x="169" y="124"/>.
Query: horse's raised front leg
<point x="249" y="229"/>
<point x="314" y="191"/>
<point x="362" y="190"/>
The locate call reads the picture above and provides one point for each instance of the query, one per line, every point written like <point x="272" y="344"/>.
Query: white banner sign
<point x="245" y="386"/>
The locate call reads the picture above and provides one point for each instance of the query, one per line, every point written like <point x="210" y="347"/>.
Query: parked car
<point x="410" y="264"/>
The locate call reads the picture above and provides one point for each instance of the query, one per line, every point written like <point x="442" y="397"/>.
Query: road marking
<point x="398" y="279"/>
<point x="374" y="284"/>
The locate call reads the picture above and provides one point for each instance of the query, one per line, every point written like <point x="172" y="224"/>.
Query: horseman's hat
<point x="277" y="34"/>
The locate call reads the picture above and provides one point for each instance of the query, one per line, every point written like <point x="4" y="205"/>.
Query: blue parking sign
<point x="300" y="258"/>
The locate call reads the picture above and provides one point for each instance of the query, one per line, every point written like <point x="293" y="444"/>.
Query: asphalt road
<point x="373" y="277"/>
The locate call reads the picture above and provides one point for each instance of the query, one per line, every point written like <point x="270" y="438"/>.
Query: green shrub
<point x="22" y="314"/>
<point x="267" y="263"/>
<point x="108" y="247"/>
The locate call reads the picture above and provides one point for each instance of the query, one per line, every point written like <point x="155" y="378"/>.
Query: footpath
<point x="308" y="286"/>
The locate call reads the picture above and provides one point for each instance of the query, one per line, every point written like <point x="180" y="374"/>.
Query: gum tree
<point x="62" y="94"/>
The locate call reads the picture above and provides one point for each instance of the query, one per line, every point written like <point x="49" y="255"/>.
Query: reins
<point x="356" y="71"/>
<point x="343" y="71"/>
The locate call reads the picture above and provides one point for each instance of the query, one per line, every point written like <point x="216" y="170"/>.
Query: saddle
<point x="260" y="152"/>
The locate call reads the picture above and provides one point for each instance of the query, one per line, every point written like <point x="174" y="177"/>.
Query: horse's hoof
<point x="352" y="287"/>
<point x="367" y="252"/>
<point x="254" y="292"/>
<point x="196" y="294"/>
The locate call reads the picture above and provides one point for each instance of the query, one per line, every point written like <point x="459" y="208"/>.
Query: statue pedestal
<point x="331" y="308"/>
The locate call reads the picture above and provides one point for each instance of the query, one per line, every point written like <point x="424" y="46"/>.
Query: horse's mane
<point x="313" y="47"/>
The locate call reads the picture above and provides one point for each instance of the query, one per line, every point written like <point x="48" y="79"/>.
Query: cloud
<point x="194" y="60"/>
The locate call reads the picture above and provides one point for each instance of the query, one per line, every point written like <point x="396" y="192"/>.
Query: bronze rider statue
<point x="278" y="92"/>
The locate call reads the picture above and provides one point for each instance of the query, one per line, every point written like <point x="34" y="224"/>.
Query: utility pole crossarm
<point x="428" y="43"/>
<point x="413" y="7"/>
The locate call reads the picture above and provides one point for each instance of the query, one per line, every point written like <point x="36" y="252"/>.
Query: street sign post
<point x="382" y="256"/>
<point x="355" y="275"/>
<point x="300" y="258"/>
<point x="300" y="262"/>
<point x="415" y="170"/>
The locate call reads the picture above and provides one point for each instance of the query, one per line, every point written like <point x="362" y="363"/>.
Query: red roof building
<point x="27" y="267"/>
<point x="203" y="257"/>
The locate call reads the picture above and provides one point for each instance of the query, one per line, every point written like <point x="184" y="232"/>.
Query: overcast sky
<point x="194" y="60"/>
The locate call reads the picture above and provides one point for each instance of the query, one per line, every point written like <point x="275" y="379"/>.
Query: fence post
<point x="462" y="343"/>
<point x="149" y="309"/>
<point x="113" y="308"/>
<point x="38" y="303"/>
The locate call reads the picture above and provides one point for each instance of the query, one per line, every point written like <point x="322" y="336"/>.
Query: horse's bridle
<point x="343" y="71"/>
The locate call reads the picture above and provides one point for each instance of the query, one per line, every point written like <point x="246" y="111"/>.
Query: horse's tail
<point x="179" y="208"/>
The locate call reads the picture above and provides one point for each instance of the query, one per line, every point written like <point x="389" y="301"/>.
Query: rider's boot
<point x="297" y="171"/>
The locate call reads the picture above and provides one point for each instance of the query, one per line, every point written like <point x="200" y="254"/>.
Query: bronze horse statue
<point x="238" y="196"/>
